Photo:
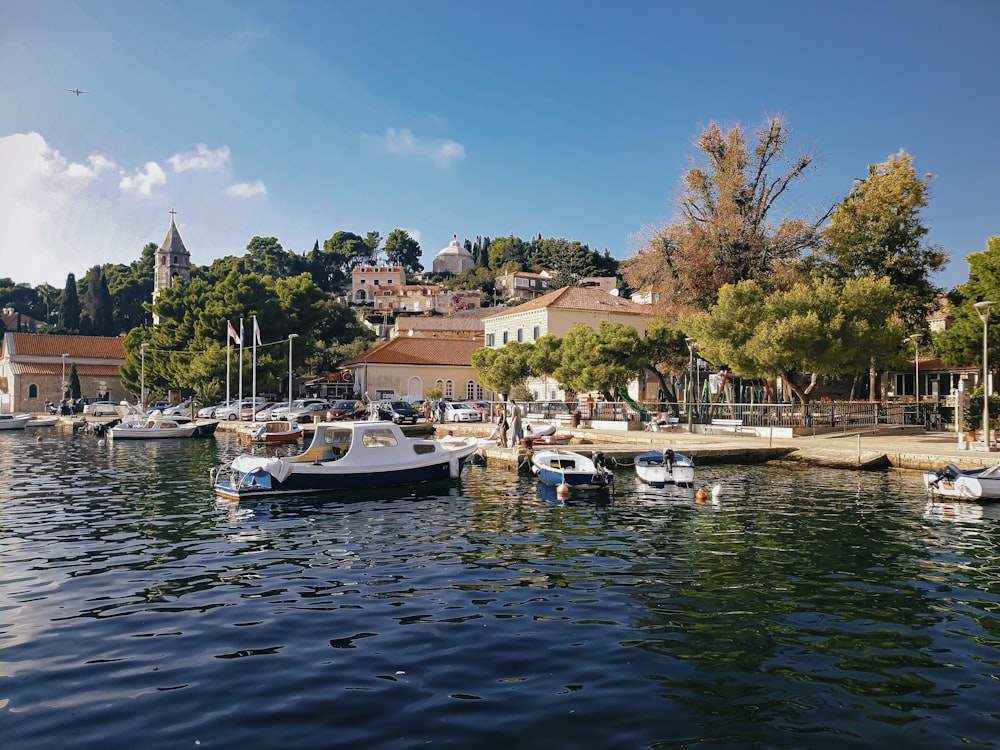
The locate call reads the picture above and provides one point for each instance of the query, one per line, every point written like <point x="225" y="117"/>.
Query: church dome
<point x="454" y="248"/>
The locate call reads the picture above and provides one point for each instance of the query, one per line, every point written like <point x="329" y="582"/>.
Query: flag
<point x="256" y="331"/>
<point x="242" y="334"/>
<point x="232" y="333"/>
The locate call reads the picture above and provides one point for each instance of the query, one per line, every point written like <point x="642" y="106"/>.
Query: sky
<point x="565" y="118"/>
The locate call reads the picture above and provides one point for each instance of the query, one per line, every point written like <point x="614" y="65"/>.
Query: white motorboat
<point x="155" y="427"/>
<point x="273" y="431"/>
<point x="42" y="422"/>
<point x="14" y="421"/>
<point x="346" y="456"/>
<point x="974" y="484"/>
<point x="561" y="467"/>
<point x="666" y="467"/>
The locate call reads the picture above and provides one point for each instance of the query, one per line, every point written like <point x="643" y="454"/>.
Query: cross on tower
<point x="172" y="215"/>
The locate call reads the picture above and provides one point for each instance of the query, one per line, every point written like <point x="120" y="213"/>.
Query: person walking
<point x="516" y="429"/>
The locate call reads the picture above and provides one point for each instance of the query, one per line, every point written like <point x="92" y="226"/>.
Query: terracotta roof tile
<point x="55" y="345"/>
<point x="579" y="298"/>
<point x="409" y="351"/>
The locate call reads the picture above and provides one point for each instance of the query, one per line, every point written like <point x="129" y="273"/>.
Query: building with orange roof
<point x="33" y="367"/>
<point x="407" y="367"/>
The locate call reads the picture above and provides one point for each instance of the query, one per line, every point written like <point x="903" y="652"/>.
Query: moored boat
<point x="42" y="422"/>
<point x="663" y="468"/>
<point x="14" y="421"/>
<point x="345" y="456"/>
<point x="157" y="427"/>
<point x="561" y="467"/>
<point x="276" y="431"/>
<point x="555" y="438"/>
<point x="973" y="484"/>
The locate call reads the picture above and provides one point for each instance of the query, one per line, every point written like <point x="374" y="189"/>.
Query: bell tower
<point x="173" y="261"/>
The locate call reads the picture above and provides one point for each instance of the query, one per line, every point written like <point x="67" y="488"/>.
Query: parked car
<point x="280" y="411"/>
<point x="247" y="408"/>
<point x="399" y="412"/>
<point x="309" y="412"/>
<point x="207" y="412"/>
<point x="458" y="411"/>
<point x="346" y="409"/>
<point x="271" y="411"/>
<point x="483" y="407"/>
<point x="184" y="407"/>
<point x="101" y="409"/>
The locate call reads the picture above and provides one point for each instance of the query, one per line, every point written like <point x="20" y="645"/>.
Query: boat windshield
<point x="378" y="437"/>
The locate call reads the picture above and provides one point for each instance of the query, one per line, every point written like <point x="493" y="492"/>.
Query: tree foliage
<point x="402" y="250"/>
<point x="818" y="328"/>
<point x="724" y="231"/>
<point x="962" y="343"/>
<point x="69" y="306"/>
<point x="97" y="318"/>
<point x="877" y="230"/>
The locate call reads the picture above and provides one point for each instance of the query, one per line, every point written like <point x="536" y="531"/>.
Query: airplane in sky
<point x="76" y="91"/>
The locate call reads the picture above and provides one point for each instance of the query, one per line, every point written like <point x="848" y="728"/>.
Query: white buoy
<point x="717" y="492"/>
<point x="562" y="491"/>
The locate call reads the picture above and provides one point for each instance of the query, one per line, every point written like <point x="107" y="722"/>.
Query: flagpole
<point x="240" y="408"/>
<point x="229" y="327"/>
<point x="253" y="394"/>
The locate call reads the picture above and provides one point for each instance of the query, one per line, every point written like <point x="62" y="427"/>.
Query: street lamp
<point x="290" y="337"/>
<point x="692" y="345"/>
<point x="142" y="377"/>
<point x="983" y="308"/>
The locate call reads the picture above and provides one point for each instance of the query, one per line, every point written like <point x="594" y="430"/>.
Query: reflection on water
<point x="802" y="608"/>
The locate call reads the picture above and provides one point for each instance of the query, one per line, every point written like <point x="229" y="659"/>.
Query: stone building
<point x="33" y="366"/>
<point x="453" y="259"/>
<point x="173" y="262"/>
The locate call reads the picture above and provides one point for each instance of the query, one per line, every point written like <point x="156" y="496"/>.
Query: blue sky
<point x="562" y="118"/>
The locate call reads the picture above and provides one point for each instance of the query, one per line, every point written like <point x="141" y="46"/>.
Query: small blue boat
<point x="560" y="467"/>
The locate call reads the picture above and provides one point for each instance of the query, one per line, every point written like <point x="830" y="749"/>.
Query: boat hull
<point x="574" y="470"/>
<point x="260" y="483"/>
<point x="346" y="456"/>
<point x="14" y="421"/>
<point x="665" y="469"/>
<point x="952" y="482"/>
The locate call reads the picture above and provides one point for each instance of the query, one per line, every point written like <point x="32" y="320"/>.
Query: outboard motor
<point x="598" y="459"/>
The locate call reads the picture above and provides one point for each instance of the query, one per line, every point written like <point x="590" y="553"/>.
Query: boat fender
<point x="454" y="467"/>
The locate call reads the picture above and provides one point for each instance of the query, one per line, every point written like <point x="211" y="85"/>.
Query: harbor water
<point x="805" y="608"/>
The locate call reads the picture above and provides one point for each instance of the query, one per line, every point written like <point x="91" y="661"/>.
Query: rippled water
<point x="810" y="608"/>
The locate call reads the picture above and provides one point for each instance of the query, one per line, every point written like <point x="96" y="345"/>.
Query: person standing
<point x="427" y="409"/>
<point x="502" y="427"/>
<point x="516" y="429"/>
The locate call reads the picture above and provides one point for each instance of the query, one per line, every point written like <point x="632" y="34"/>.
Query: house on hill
<point x="557" y="312"/>
<point x="33" y="367"/>
<point x="406" y="367"/>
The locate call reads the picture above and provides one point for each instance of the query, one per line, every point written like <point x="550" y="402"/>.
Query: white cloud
<point x="145" y="179"/>
<point x="441" y="153"/>
<point x="203" y="158"/>
<point x="246" y="189"/>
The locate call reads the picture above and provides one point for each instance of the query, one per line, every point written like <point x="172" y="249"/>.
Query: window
<point x="505" y="337"/>
<point x="520" y="335"/>
<point x="375" y="282"/>
<point x="470" y="391"/>
<point x="33" y="391"/>
<point x="449" y="389"/>
<point x="536" y="333"/>
<point x="489" y="339"/>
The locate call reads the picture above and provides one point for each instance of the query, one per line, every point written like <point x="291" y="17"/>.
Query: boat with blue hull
<point x="346" y="456"/>
<point x="574" y="470"/>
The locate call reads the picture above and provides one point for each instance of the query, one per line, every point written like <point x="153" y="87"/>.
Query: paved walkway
<point x="914" y="449"/>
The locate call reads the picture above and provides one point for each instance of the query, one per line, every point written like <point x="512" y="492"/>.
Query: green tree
<point x="813" y="329"/>
<point x="98" y="311"/>
<point x="75" y="390"/>
<point x="402" y="250"/>
<point x="666" y="354"/>
<point x="69" y="306"/>
<point x="877" y="230"/>
<point x="501" y="369"/>
<point x="331" y="267"/>
<point x="724" y="232"/>
<point x="962" y="342"/>
<point x="267" y="257"/>
<point x="603" y="360"/>
<point x="131" y="289"/>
